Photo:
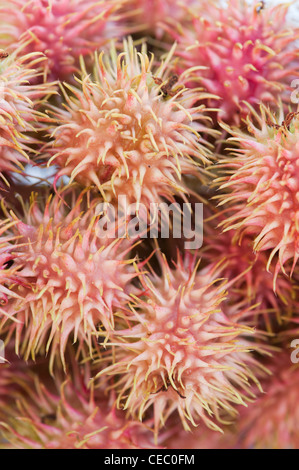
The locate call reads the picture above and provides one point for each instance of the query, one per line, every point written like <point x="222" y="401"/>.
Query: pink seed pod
<point x="272" y="421"/>
<point x="130" y="131"/>
<point x="252" y="281"/>
<point x="75" y="279"/>
<point x="261" y="189"/>
<point x="183" y="354"/>
<point x="40" y="412"/>
<point x="61" y="29"/>
<point x="248" y="50"/>
<point x="20" y="100"/>
<point x="8" y="272"/>
<point x="149" y="16"/>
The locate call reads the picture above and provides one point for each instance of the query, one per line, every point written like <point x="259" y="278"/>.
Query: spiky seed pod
<point x="253" y="283"/>
<point x="263" y="187"/>
<point x="19" y="102"/>
<point x="150" y="15"/>
<point x="75" y="278"/>
<point x="61" y="29"/>
<point x="249" y="53"/>
<point x="52" y="414"/>
<point x="183" y="354"/>
<point x="272" y="422"/>
<point x="123" y="134"/>
<point x="8" y="274"/>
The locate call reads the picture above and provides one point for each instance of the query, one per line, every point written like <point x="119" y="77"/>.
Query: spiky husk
<point x="261" y="188"/>
<point x="248" y="50"/>
<point x="272" y="421"/>
<point x="61" y="29"/>
<point x="121" y="135"/>
<point x="149" y="16"/>
<point x="183" y="354"/>
<point x="74" y="280"/>
<point x="19" y="103"/>
<point x="252" y="282"/>
<point x="8" y="272"/>
<point x="39" y="412"/>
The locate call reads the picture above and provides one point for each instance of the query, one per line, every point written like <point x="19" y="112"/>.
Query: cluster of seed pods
<point x="114" y="333"/>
